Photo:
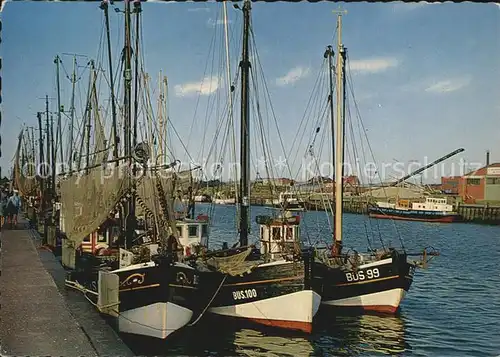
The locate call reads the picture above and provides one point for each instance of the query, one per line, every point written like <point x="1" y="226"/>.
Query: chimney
<point x="487" y="158"/>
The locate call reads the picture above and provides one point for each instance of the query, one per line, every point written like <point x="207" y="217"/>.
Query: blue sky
<point x="426" y="76"/>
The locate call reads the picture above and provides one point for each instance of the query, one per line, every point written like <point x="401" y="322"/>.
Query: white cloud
<point x="372" y="65"/>
<point x="206" y="86"/>
<point x="212" y="23"/>
<point x="409" y="6"/>
<point x="448" y="85"/>
<point x="293" y="76"/>
<point x="198" y="9"/>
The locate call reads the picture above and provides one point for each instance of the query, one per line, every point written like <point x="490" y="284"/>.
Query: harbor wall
<point x="479" y="213"/>
<point x="484" y="213"/>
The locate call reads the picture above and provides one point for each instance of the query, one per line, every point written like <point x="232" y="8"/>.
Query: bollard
<point x="51" y="235"/>
<point x="68" y="253"/>
<point x="40" y="225"/>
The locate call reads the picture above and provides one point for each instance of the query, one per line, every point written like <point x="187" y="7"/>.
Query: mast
<point x="159" y="149"/>
<point x="105" y="7"/>
<point x="87" y="118"/>
<point x="33" y="155"/>
<point x="42" y="174"/>
<point x="72" y="109"/>
<point x="343" y="53"/>
<point x="245" y="128"/>
<point x="127" y="75"/>
<point x="89" y="113"/>
<point x="229" y="88"/>
<point x="59" y="147"/>
<point x="329" y="53"/>
<point x="339" y="141"/>
<point x="137" y="11"/>
<point x="47" y="131"/>
<point x="165" y="120"/>
<point x="53" y="158"/>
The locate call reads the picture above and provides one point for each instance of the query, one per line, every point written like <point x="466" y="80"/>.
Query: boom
<point x="416" y="172"/>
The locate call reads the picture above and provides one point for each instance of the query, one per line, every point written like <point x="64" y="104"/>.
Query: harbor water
<point x="452" y="308"/>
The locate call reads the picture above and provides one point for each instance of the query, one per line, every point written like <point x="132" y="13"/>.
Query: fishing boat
<point x="373" y="281"/>
<point x="261" y="286"/>
<point x="225" y="201"/>
<point x="143" y="278"/>
<point x="434" y="209"/>
<point x="290" y="201"/>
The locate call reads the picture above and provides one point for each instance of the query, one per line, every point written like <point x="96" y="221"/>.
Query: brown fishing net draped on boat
<point x="148" y="192"/>
<point x="234" y="264"/>
<point x="88" y="199"/>
<point x="25" y="184"/>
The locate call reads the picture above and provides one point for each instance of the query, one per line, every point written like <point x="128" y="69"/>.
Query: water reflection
<point x="332" y="336"/>
<point x="355" y="335"/>
<point x="253" y="343"/>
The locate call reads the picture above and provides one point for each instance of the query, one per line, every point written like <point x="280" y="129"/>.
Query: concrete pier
<point x="38" y="315"/>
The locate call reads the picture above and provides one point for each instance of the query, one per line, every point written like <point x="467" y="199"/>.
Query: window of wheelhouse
<point x="289" y="233"/>
<point x="179" y="231"/>
<point x="193" y="231"/>
<point x="276" y="233"/>
<point x="261" y="232"/>
<point x="102" y="233"/>
<point x="204" y="230"/>
<point x="297" y="232"/>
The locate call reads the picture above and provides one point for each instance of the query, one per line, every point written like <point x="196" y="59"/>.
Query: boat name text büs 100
<point x="244" y="294"/>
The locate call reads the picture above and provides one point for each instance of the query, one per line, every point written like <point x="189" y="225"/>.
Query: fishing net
<point x="25" y="182"/>
<point x="88" y="199"/>
<point x="155" y="195"/>
<point x="234" y="264"/>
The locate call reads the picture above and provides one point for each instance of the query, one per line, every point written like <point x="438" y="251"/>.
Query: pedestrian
<point x="14" y="207"/>
<point x="3" y="207"/>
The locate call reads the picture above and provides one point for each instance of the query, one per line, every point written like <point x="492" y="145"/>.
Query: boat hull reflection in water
<point x="346" y="335"/>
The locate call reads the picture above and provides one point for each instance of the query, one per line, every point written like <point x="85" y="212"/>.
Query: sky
<point x="425" y="75"/>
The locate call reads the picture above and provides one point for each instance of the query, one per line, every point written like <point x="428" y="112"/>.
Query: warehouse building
<point x="482" y="185"/>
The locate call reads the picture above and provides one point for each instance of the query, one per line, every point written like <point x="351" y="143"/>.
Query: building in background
<point x="449" y="185"/>
<point x="479" y="186"/>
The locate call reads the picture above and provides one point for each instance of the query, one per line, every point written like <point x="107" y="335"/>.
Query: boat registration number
<point x="363" y="275"/>
<point x="244" y="294"/>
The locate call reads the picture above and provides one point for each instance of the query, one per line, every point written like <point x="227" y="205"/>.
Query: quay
<point x="469" y="213"/>
<point x="38" y="316"/>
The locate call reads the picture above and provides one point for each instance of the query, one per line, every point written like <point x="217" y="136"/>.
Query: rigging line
<point x="64" y="70"/>
<point x="322" y="118"/>
<point x="265" y="148"/>
<point x="210" y="102"/>
<point x="368" y="143"/>
<point x="351" y="87"/>
<point x="370" y="246"/>
<point x="267" y="90"/>
<point x="202" y="82"/>
<point x="316" y="127"/>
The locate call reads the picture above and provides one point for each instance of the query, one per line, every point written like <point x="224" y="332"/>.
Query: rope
<point x="85" y="291"/>
<point x="210" y="302"/>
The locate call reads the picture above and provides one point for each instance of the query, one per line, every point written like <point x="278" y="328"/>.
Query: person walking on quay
<point x="3" y="207"/>
<point x="14" y="207"/>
